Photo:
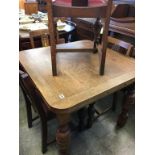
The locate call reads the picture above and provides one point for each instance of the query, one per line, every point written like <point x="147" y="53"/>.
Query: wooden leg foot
<point x="44" y="135"/>
<point x="128" y="98"/>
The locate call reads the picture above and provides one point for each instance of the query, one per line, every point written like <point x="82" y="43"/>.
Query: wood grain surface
<point x="78" y="82"/>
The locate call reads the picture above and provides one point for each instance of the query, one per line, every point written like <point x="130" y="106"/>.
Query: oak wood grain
<point x="78" y="82"/>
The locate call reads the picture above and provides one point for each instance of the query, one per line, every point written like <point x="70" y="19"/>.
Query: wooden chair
<point x="34" y="100"/>
<point x="122" y="20"/>
<point x="120" y="46"/>
<point x="44" y="35"/>
<point x="125" y="49"/>
<point x="95" y="9"/>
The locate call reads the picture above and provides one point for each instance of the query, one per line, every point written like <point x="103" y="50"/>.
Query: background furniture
<point x="44" y="35"/>
<point x="21" y="4"/>
<point x="125" y="49"/>
<point x="120" y="46"/>
<point x="68" y="33"/>
<point x="123" y="20"/>
<point x="84" y="28"/>
<point x="31" y="7"/>
<point x="42" y="5"/>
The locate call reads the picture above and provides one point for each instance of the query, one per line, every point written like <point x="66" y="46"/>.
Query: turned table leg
<point x="63" y="134"/>
<point x="127" y="100"/>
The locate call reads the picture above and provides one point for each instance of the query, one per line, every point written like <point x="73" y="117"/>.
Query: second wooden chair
<point x="44" y="35"/>
<point x="121" y="47"/>
<point x="33" y="100"/>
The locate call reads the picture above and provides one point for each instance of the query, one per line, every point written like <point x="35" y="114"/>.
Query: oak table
<point x="77" y="84"/>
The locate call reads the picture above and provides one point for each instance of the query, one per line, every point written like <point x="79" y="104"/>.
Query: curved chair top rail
<point x="65" y="9"/>
<point x="91" y="3"/>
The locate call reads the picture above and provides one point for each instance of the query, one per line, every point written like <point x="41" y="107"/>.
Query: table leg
<point x="63" y="134"/>
<point x="128" y="98"/>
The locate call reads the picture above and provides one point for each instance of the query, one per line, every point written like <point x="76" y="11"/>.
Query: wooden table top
<point x="78" y="82"/>
<point x="67" y="29"/>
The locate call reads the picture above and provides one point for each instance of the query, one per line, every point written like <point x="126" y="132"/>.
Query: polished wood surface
<point x="78" y="82"/>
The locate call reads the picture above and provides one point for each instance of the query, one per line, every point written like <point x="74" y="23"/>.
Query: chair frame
<point x="44" y="37"/>
<point x="44" y="34"/>
<point x="129" y="47"/>
<point x="56" y="10"/>
<point x="91" y="109"/>
<point x="33" y="99"/>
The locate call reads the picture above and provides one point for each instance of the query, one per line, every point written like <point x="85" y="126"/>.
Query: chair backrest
<point x="120" y="46"/>
<point x="44" y="35"/>
<point x="63" y="8"/>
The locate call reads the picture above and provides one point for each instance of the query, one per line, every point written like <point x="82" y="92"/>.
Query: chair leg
<point x="82" y="114"/>
<point x="29" y="112"/>
<point x="114" y="102"/>
<point x="91" y="112"/>
<point x="44" y="135"/>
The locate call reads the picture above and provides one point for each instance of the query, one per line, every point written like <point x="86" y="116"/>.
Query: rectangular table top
<point x="78" y="82"/>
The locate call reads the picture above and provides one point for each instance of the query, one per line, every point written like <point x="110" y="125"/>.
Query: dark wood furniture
<point x="123" y="20"/>
<point x="34" y="100"/>
<point x="42" y="5"/>
<point x="125" y="49"/>
<point x="44" y="35"/>
<point x="84" y="28"/>
<point x="120" y="46"/>
<point x="68" y="34"/>
<point x="31" y="7"/>
<point x="78" y="83"/>
<point x="95" y="9"/>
